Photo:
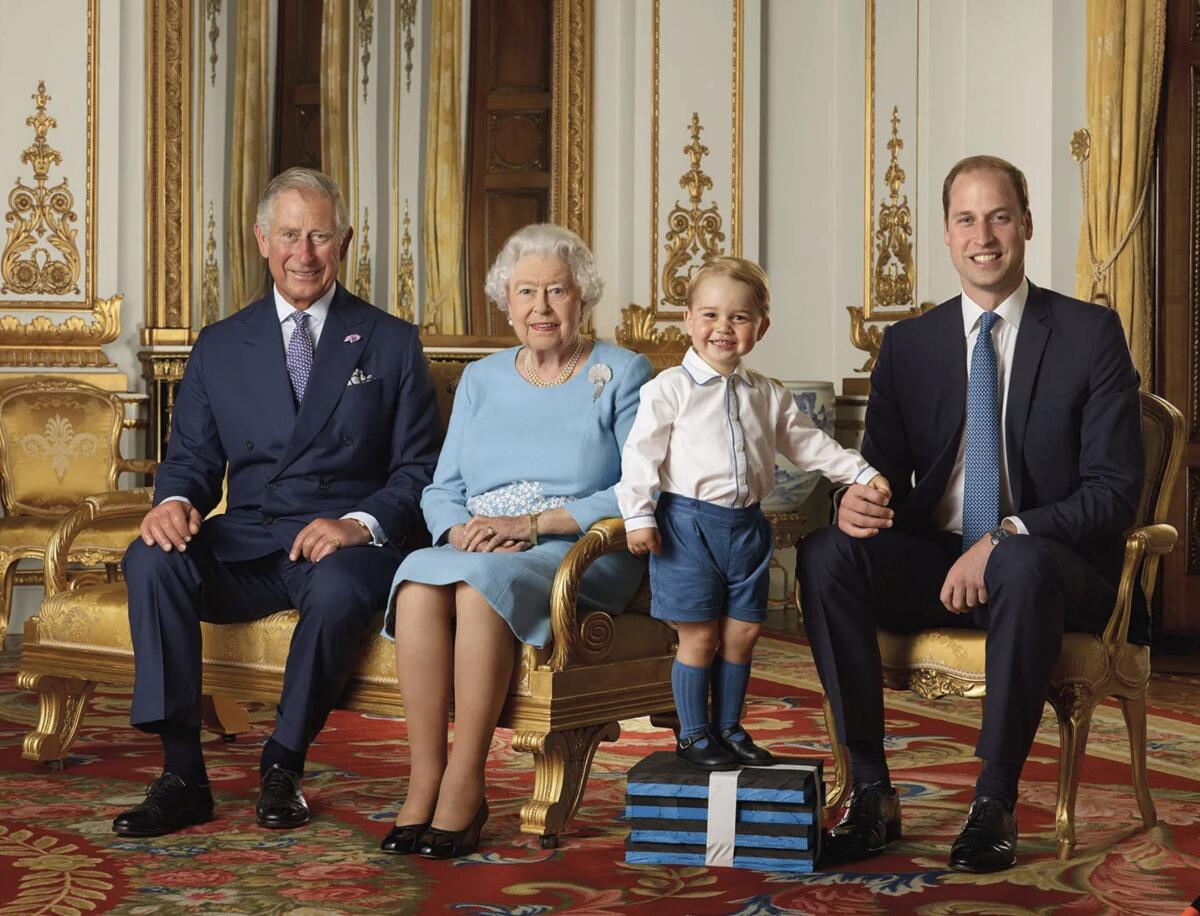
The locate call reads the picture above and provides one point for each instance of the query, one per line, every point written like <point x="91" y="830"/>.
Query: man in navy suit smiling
<point x="319" y="411"/>
<point x="1007" y="420"/>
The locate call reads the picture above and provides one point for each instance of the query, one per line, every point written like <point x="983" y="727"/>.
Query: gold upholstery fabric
<point x="28" y="534"/>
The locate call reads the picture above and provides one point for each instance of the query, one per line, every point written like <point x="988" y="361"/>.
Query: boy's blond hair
<point x="740" y="269"/>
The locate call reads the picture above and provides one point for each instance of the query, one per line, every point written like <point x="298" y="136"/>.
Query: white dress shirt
<point x="947" y="515"/>
<point x="712" y="437"/>
<point x="317" y="313"/>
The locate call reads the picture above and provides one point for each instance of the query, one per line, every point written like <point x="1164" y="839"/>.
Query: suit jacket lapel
<point x="266" y="367"/>
<point x="337" y="355"/>
<point x="1031" y="343"/>
<point x="952" y="395"/>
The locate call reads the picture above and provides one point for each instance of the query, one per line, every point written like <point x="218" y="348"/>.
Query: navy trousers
<point x="170" y="593"/>
<point x="1037" y="590"/>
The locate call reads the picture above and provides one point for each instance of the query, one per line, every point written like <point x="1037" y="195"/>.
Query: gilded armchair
<point x="59" y="442"/>
<point x="950" y="662"/>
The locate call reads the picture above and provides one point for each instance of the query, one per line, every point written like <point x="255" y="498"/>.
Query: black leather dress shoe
<point x="281" y="804"/>
<point x="988" y="841"/>
<point x="403" y="839"/>
<point x="171" y="804"/>
<point x="870" y="822"/>
<point x="706" y="751"/>
<point x="436" y="843"/>
<point x="748" y="753"/>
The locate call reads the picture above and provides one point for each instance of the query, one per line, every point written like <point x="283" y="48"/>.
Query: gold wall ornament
<point x="407" y="21"/>
<point x="365" y="17"/>
<point x="213" y="12"/>
<point x="571" y="139"/>
<point x="71" y="343"/>
<point x="694" y="231"/>
<point x="406" y="301"/>
<point x="362" y="273"/>
<point x="638" y="331"/>
<point x="894" y="277"/>
<point x="210" y="298"/>
<point x="41" y="256"/>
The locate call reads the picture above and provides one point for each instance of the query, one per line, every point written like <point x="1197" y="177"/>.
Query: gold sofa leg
<point x="225" y="716"/>
<point x="61" y="702"/>
<point x="841" y="762"/>
<point x="1134" y="709"/>
<point x="562" y="761"/>
<point x="1074" y="707"/>
<point x="8" y="569"/>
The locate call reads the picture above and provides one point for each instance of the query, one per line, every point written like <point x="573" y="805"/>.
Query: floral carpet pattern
<point x="58" y="855"/>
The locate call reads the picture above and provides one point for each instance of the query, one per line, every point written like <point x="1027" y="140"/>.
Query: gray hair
<point x="547" y="240"/>
<point x="306" y="181"/>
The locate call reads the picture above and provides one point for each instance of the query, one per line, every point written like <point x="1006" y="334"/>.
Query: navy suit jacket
<point x="1073" y="430"/>
<point x="368" y="447"/>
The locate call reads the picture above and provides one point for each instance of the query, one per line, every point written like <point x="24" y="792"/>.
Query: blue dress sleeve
<point x="444" y="501"/>
<point x="603" y="504"/>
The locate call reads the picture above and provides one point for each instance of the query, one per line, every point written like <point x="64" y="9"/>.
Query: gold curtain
<point x="249" y="163"/>
<point x="335" y="97"/>
<point x="1124" y="75"/>
<point x="444" y="199"/>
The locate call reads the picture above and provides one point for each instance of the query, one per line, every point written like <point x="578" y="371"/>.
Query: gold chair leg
<point x="841" y="762"/>
<point x="562" y="761"/>
<point x="224" y="715"/>
<point x="8" y="569"/>
<point x="1134" y="709"/>
<point x="1074" y="709"/>
<point x="61" y="702"/>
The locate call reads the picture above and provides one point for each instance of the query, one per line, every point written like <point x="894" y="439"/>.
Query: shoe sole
<point x="269" y="826"/>
<point x="980" y="869"/>
<point x="719" y="768"/>
<point x="133" y="832"/>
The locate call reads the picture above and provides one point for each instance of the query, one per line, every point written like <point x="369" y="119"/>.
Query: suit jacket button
<point x="268" y="519"/>
<point x="347" y="442"/>
<point x="249" y="446"/>
<point x="324" y="488"/>
<point x="271" y="485"/>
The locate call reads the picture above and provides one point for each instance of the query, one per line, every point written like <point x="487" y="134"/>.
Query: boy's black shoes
<point x="747" y="753"/>
<point x="706" y="751"/>
<point x="171" y="804"/>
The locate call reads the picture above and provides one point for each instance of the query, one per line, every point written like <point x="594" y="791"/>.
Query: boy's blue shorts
<point x="713" y="561"/>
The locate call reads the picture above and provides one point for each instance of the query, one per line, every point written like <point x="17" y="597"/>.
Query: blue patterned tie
<point x="300" y="354"/>
<point x="981" y="478"/>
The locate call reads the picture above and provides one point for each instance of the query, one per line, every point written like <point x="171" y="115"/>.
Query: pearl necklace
<point x="534" y="379"/>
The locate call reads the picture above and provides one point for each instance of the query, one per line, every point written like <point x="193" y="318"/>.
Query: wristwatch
<point x="998" y="534"/>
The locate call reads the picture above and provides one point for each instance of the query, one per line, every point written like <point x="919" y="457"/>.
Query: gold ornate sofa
<point x="563" y="701"/>
<point x="59" y="441"/>
<point x="950" y="662"/>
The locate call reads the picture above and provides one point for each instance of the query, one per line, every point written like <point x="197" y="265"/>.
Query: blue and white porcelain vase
<point x="792" y="485"/>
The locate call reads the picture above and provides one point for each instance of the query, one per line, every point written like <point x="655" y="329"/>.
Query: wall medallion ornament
<point x="694" y="231"/>
<point x="362" y="272"/>
<point x="408" y="19"/>
<point x="41" y="255"/>
<point x="210" y="305"/>
<point x="213" y="12"/>
<point x="406" y="282"/>
<point x="366" y="29"/>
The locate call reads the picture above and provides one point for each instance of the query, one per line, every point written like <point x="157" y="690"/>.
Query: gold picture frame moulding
<point x="86" y="297"/>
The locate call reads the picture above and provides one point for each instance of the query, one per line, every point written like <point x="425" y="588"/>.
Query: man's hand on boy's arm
<point x="880" y="483"/>
<point x="642" y="541"/>
<point x="863" y="511"/>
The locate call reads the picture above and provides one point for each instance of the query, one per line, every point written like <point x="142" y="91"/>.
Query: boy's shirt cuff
<point x="637" y="522"/>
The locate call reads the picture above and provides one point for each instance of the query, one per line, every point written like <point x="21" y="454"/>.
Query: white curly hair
<point x="549" y="240"/>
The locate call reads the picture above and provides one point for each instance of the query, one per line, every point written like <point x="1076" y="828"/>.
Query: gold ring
<point x="337" y="543"/>
<point x="491" y="532"/>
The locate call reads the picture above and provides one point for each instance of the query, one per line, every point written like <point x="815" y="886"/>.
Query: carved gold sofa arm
<point x="132" y="504"/>
<point x="605" y="537"/>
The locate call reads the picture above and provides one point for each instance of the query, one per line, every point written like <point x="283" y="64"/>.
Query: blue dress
<point x="558" y="446"/>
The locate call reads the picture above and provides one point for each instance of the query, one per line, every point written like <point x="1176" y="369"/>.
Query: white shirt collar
<point x="702" y="373"/>
<point x="316" y="312"/>
<point x="1011" y="309"/>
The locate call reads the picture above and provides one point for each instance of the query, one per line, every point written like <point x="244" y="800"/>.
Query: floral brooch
<point x="599" y="375"/>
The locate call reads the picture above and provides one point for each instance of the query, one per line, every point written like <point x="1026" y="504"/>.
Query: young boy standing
<point x="699" y="459"/>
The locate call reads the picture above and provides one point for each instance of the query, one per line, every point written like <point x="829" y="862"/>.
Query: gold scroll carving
<point x="408" y="20"/>
<point x="365" y="16"/>
<point x="637" y="331"/>
<point x="694" y="231"/>
<point x="73" y="343"/>
<point x="41" y="255"/>
<point x="210" y="297"/>
<point x="406" y="281"/>
<point x="362" y="275"/>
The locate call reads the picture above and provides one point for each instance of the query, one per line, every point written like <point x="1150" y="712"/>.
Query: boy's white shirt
<point x="710" y="437"/>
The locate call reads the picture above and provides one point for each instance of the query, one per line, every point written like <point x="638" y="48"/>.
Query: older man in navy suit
<point x="1007" y="420"/>
<point x="320" y="411"/>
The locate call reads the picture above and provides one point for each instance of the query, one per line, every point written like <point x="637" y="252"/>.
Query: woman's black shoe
<point x="706" y="752"/>
<point x="748" y="753"/>
<point x="402" y="840"/>
<point x="436" y="843"/>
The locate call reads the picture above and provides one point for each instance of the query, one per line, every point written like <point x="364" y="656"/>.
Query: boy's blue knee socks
<point x="729" y="683"/>
<point x="690" y="687"/>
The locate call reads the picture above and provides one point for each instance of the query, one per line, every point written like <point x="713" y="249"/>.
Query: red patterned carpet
<point x="57" y="855"/>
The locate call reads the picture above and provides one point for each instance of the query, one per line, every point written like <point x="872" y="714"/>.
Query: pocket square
<point x="358" y="377"/>
<point x="352" y="338"/>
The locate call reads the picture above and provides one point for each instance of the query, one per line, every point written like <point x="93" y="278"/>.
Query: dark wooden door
<point x="298" y="86"/>
<point x="509" y="138"/>
<point x="1177" y="376"/>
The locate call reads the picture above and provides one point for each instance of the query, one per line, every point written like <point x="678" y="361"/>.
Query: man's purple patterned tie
<point x="981" y="475"/>
<point x="300" y="354"/>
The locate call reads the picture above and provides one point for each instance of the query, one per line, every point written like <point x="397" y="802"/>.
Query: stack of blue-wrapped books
<point x="761" y="818"/>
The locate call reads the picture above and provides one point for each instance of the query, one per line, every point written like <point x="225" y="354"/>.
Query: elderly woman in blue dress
<point x="529" y="463"/>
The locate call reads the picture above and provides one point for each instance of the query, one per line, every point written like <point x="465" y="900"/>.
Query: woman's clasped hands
<point x="488" y="534"/>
